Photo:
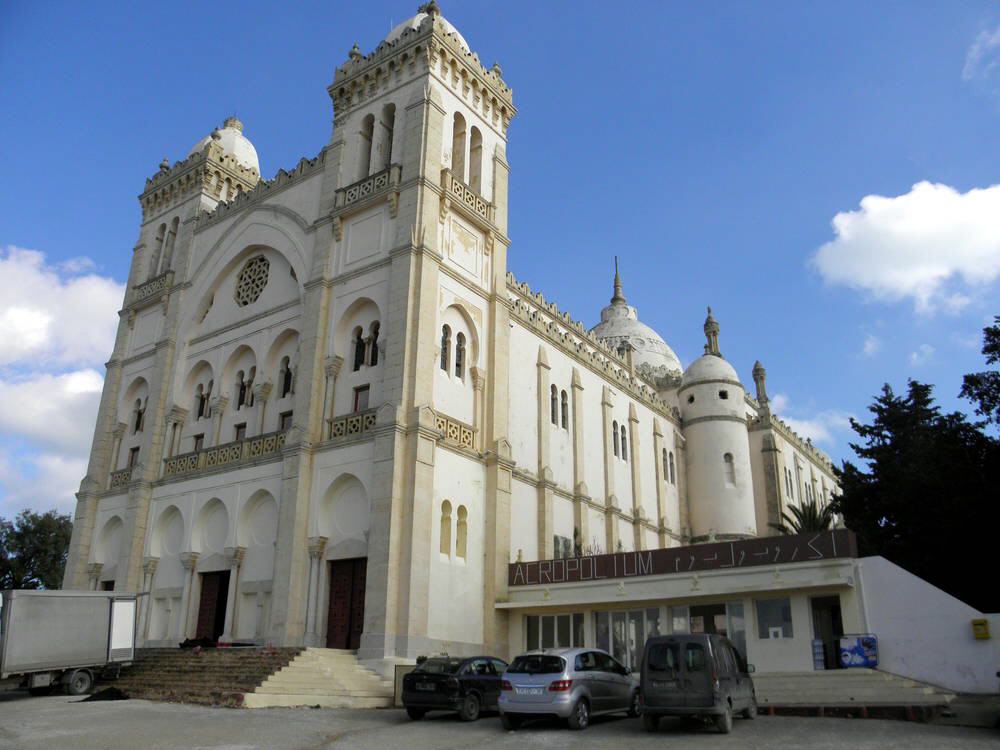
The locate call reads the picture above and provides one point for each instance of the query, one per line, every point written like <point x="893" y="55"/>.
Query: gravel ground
<point x="56" y="722"/>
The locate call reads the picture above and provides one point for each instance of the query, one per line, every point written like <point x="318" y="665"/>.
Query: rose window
<point x="252" y="280"/>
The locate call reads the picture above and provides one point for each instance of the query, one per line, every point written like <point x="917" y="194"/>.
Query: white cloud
<point x="933" y="245"/>
<point x="872" y="345"/>
<point x="923" y="353"/>
<point x="59" y="323"/>
<point x="820" y="427"/>
<point x="968" y="340"/>
<point x="983" y="55"/>
<point x="55" y="315"/>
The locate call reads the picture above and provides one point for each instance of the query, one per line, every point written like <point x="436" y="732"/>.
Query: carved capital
<point x="219" y="404"/>
<point x="333" y="365"/>
<point x="119" y="431"/>
<point x="189" y="560"/>
<point x="261" y="391"/>
<point x="316" y="546"/>
<point x="94" y="571"/>
<point x="478" y="378"/>
<point x="149" y="566"/>
<point x="235" y="555"/>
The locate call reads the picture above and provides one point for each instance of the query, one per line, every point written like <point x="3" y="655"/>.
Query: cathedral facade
<point x="333" y="417"/>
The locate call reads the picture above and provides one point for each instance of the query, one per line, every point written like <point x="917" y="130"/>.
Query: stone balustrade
<point x="228" y="454"/>
<point x="369" y="186"/>
<point x="120" y="478"/>
<point x="352" y="424"/>
<point x="455" y="432"/>
<point x="459" y="192"/>
<point x="151" y="288"/>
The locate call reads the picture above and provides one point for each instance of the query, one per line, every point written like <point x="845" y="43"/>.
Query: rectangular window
<point x="199" y="441"/>
<point x="602" y="626"/>
<point x="664" y="657"/>
<point x="694" y="657"/>
<point x="653" y="623"/>
<point x="564" y="639"/>
<point x="531" y="625"/>
<point x="562" y="546"/>
<point x="679" y="620"/>
<point x="285" y="421"/>
<point x="133" y="457"/>
<point x="240" y="431"/>
<point x="578" y="639"/>
<point x="548" y="633"/>
<point x="736" y="626"/>
<point x="774" y="618"/>
<point x="361" y="398"/>
<point x="553" y="631"/>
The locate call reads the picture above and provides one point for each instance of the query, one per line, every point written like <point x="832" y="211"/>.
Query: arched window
<point x="365" y="146"/>
<point x="673" y="475"/>
<point x="208" y="398"/>
<point x="614" y="436"/>
<point x="241" y="390"/>
<point x="476" y="160"/>
<point x="168" y="246"/>
<point x="199" y="401"/>
<point x="458" y="147"/>
<point x="554" y="405"/>
<point x="250" y="377"/>
<point x="154" y="259"/>
<point x="624" y="445"/>
<point x="463" y="532"/>
<point x="564" y="402"/>
<point x="666" y="466"/>
<point x="359" y="349"/>
<point x="138" y="411"/>
<point x="373" y="342"/>
<point x="388" y="123"/>
<point x="445" y="347"/>
<point x="460" y="355"/>
<point x="727" y="459"/>
<point x="285" y="377"/>
<point x="445" y="545"/>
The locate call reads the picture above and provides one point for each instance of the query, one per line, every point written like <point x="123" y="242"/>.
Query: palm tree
<point x="808" y="518"/>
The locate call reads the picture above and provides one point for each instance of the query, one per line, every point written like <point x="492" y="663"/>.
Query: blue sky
<point x="709" y="146"/>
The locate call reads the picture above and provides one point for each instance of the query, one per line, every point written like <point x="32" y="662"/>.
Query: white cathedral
<point x="333" y="417"/>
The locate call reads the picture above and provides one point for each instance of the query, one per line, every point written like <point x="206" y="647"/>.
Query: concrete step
<point x="320" y="690"/>
<point x="266" y="700"/>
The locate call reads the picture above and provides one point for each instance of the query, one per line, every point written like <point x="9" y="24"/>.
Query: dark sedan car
<point x="443" y="683"/>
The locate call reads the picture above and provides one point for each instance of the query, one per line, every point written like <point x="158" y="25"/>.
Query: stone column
<point x="610" y="520"/>
<point x="189" y="560"/>
<point x="333" y="365"/>
<point x="234" y="556"/>
<point x="478" y="385"/>
<point x="116" y="444"/>
<point x="544" y="472"/>
<point x="219" y="404"/>
<point x="317" y="544"/>
<point x="581" y="494"/>
<point x="638" y="512"/>
<point x="94" y="575"/>
<point x="261" y="392"/>
<point x="146" y="604"/>
<point x="661" y="484"/>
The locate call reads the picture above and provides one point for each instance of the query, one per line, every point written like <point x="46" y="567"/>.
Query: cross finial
<point x="712" y="335"/>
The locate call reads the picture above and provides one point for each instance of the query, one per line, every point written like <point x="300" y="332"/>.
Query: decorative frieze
<point x="227" y="454"/>
<point x="455" y="432"/>
<point x="353" y="424"/>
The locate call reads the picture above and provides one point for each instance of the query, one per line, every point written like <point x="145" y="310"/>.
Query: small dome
<point x="414" y="23"/>
<point x="230" y="137"/>
<point x="620" y="325"/>
<point x="709" y="367"/>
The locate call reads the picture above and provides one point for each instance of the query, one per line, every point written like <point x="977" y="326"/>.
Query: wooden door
<point x="346" y="614"/>
<point x="212" y="605"/>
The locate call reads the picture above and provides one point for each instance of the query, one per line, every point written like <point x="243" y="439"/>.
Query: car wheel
<point x="470" y="708"/>
<point x="510" y="722"/>
<point x="751" y="710"/>
<point x="580" y="717"/>
<point x="416" y="713"/>
<point x="633" y="706"/>
<point x="724" y="722"/>
<point x="79" y="683"/>
<point x="650" y="723"/>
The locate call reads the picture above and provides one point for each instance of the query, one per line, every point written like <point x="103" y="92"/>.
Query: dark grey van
<point x="695" y="675"/>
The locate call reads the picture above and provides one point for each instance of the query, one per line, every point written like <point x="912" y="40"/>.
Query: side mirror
<point x="751" y="668"/>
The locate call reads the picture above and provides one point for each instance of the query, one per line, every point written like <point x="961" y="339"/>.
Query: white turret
<point x="720" y="487"/>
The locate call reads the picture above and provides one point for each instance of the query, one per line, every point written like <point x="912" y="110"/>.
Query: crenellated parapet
<point x="573" y="337"/>
<point x="767" y="420"/>
<point x="430" y="46"/>
<point x="212" y="172"/>
<point x="262" y="190"/>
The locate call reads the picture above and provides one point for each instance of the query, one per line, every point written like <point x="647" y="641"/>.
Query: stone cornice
<point x="767" y="420"/>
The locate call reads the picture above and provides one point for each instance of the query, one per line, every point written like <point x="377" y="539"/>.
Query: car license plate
<point x="426" y="686"/>
<point x="530" y="691"/>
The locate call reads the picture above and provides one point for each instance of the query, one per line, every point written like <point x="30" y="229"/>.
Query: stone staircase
<point x="216" y="677"/>
<point x="862" y="690"/>
<point x="327" y="677"/>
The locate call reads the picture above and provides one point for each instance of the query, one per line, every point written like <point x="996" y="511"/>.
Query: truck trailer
<point x="65" y="638"/>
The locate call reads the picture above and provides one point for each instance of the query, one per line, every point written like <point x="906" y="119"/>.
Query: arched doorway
<point x="344" y="520"/>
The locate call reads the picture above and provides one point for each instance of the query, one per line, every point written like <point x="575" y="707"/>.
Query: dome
<point x="620" y="325"/>
<point x="230" y="137"/>
<point x="414" y="23"/>
<point x="709" y="367"/>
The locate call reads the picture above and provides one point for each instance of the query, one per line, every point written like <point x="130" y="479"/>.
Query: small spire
<point x="233" y="122"/>
<point x="355" y="53"/>
<point x="712" y="335"/>
<point x="165" y="164"/>
<point x="430" y="8"/>
<point x="760" y="381"/>
<point x="497" y="70"/>
<point x="618" y="297"/>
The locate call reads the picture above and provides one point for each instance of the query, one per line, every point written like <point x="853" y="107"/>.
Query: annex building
<point x="333" y="417"/>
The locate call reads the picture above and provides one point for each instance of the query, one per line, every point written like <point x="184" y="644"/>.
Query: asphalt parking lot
<point x="57" y="722"/>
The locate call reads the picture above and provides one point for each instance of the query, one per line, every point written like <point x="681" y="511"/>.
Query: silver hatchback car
<point x="571" y="683"/>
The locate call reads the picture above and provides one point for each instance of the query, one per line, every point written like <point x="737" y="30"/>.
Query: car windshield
<point x="439" y="666"/>
<point x="537" y="664"/>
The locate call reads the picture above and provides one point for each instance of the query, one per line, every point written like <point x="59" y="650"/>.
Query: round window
<point x="252" y="280"/>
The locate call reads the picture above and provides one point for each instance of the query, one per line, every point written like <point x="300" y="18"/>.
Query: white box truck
<point x="65" y="638"/>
